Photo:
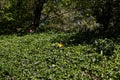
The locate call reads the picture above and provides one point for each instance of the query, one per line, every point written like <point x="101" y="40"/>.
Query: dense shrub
<point x="104" y="46"/>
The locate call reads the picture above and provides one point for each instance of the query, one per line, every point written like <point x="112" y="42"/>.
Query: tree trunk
<point x="38" y="6"/>
<point x="107" y="15"/>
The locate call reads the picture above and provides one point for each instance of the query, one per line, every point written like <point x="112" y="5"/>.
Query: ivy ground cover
<point x="44" y="57"/>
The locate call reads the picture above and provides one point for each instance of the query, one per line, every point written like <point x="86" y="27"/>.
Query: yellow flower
<point x="60" y="45"/>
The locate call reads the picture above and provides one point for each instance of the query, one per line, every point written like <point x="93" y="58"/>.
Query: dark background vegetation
<point x="82" y="16"/>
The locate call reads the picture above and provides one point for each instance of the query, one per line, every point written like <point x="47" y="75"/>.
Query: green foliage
<point x="61" y="15"/>
<point x="37" y="57"/>
<point x="16" y="16"/>
<point x="104" y="46"/>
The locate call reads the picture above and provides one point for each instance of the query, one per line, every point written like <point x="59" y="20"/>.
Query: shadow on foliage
<point x="88" y="37"/>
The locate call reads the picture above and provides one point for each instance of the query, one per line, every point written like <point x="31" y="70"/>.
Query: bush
<point x="104" y="46"/>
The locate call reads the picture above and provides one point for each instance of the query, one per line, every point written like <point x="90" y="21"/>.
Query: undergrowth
<point x="38" y="57"/>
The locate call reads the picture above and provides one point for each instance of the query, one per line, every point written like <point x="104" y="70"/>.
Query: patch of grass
<point x="38" y="57"/>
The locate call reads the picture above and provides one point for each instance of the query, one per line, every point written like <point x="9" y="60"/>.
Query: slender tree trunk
<point x="107" y="14"/>
<point x="38" y="6"/>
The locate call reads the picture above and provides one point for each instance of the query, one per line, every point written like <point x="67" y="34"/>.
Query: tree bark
<point x="107" y="15"/>
<point x="38" y="7"/>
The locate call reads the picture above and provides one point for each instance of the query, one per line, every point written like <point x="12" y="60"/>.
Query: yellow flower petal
<point x="60" y="45"/>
